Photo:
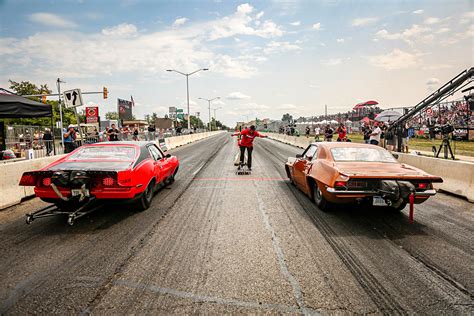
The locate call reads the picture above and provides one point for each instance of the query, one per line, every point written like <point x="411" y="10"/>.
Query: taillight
<point x="28" y="179"/>
<point x="108" y="182"/>
<point x="423" y="186"/>
<point x="46" y="182"/>
<point x="340" y="184"/>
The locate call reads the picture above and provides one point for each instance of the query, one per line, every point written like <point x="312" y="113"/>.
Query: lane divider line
<point x="238" y="179"/>
<point x="206" y="299"/>
<point x="298" y="295"/>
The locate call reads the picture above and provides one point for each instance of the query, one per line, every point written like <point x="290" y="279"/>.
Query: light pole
<point x="187" y="87"/>
<point x="209" y="108"/>
<point x="215" y="116"/>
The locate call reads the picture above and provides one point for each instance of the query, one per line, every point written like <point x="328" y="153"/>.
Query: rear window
<point x="362" y="154"/>
<point x="124" y="153"/>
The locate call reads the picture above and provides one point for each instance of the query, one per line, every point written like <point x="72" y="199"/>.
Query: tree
<point x="111" y="116"/>
<point x="287" y="118"/>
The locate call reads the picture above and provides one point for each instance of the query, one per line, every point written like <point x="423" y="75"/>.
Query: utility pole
<point x="58" y="85"/>
<point x="209" y="108"/>
<point x="325" y="111"/>
<point x="215" y="116"/>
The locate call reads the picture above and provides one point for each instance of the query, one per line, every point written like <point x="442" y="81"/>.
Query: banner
<point x="92" y="114"/>
<point x="163" y="123"/>
<point x="124" y="109"/>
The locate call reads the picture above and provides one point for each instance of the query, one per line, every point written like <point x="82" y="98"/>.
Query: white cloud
<point x="259" y="15"/>
<point x="397" y="59"/>
<point x="277" y="47"/>
<point x="237" y="96"/>
<point x="332" y="62"/>
<point x="296" y="23"/>
<point x="287" y="107"/>
<point x="431" y="21"/>
<point x="340" y="40"/>
<point x="443" y="30"/>
<point x="415" y="32"/>
<point x="418" y="11"/>
<point x="179" y="22"/>
<point x="317" y="26"/>
<point x="467" y="17"/>
<point x="120" y="30"/>
<point x="364" y="21"/>
<point x="50" y="19"/>
<point x="239" y="23"/>
<point x="432" y="81"/>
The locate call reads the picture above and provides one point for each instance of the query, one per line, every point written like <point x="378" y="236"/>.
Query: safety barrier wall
<point x="11" y="193"/>
<point x="458" y="176"/>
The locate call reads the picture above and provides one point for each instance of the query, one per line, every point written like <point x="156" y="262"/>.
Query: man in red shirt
<point x="246" y="142"/>
<point x="342" y="132"/>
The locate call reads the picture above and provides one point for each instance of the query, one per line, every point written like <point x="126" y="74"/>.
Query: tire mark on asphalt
<point x="376" y="291"/>
<point x="105" y="288"/>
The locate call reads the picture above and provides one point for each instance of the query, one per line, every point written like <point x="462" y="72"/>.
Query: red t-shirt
<point x="342" y="132"/>
<point x="247" y="138"/>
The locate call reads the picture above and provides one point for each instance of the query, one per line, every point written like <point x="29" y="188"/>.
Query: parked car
<point x="343" y="173"/>
<point x="125" y="171"/>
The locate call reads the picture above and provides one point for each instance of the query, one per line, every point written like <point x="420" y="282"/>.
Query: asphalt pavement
<point x="217" y="242"/>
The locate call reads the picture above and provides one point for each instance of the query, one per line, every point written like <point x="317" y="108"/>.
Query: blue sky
<point x="266" y="58"/>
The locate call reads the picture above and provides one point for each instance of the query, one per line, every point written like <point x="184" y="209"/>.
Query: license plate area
<point x="378" y="201"/>
<point x="77" y="192"/>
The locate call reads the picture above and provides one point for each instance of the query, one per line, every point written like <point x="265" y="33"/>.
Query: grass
<point x="464" y="148"/>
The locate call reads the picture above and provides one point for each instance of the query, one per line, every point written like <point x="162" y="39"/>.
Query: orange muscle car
<point x="343" y="172"/>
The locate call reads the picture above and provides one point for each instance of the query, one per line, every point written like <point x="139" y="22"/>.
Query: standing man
<point x="113" y="133"/>
<point x="307" y="131"/>
<point x="366" y="130"/>
<point x="328" y="133"/>
<point x="317" y="131"/>
<point x="246" y="142"/>
<point x="375" y="135"/>
<point x="69" y="136"/>
<point x="48" y="141"/>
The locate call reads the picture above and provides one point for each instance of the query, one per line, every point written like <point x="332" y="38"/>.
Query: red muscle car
<point x="341" y="172"/>
<point x="129" y="171"/>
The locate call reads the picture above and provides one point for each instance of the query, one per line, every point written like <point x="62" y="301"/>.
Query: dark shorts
<point x="374" y="142"/>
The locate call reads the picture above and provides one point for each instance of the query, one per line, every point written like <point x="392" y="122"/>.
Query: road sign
<point x="73" y="98"/>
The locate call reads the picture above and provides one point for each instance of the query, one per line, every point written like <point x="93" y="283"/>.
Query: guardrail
<point x="10" y="173"/>
<point x="458" y="176"/>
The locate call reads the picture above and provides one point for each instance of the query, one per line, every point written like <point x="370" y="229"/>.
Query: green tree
<point x="287" y="118"/>
<point x="111" y="116"/>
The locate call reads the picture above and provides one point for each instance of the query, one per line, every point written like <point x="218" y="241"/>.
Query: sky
<point x="265" y="58"/>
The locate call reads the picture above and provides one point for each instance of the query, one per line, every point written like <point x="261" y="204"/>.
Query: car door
<point x="157" y="163"/>
<point x="165" y="163"/>
<point x="302" y="166"/>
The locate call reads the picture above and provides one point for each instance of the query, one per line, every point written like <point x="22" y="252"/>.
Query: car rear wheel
<point x="145" y="199"/>
<point x="319" y="199"/>
<point x="399" y="208"/>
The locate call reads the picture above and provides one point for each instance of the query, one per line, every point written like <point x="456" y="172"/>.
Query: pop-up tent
<point x="15" y="106"/>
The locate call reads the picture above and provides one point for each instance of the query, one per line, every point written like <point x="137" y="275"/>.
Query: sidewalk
<point x="441" y="155"/>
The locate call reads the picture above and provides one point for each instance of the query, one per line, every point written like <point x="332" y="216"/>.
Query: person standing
<point x="341" y="132"/>
<point x="328" y="133"/>
<point x="317" y="131"/>
<point x="375" y="135"/>
<point x="246" y="143"/>
<point x="113" y="133"/>
<point x="307" y="131"/>
<point x="405" y="138"/>
<point x="69" y="136"/>
<point x="135" y="134"/>
<point x="48" y="141"/>
<point x="366" y="131"/>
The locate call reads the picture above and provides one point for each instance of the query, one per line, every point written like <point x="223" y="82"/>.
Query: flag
<point x="133" y="102"/>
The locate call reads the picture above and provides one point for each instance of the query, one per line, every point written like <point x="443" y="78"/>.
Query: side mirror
<point x="395" y="155"/>
<point x="168" y="156"/>
<point x="299" y="156"/>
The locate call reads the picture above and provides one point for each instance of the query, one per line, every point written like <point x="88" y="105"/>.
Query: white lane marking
<point x="199" y="168"/>
<point x="206" y="299"/>
<point x="281" y="257"/>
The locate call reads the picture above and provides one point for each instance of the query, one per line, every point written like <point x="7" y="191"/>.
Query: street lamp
<point x="187" y="87"/>
<point x="215" y="116"/>
<point x="209" y="102"/>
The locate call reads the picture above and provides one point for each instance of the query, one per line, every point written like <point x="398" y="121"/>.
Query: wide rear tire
<point x="319" y="199"/>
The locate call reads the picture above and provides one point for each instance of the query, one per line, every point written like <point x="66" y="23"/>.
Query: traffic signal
<point x="105" y="92"/>
<point x="43" y="99"/>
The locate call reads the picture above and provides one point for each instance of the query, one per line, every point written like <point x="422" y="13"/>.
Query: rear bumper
<point x="372" y="193"/>
<point x="102" y="193"/>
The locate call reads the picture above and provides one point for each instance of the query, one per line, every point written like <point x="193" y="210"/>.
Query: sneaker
<point x="250" y="169"/>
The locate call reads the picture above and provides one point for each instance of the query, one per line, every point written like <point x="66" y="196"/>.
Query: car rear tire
<point x="319" y="199"/>
<point x="145" y="199"/>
